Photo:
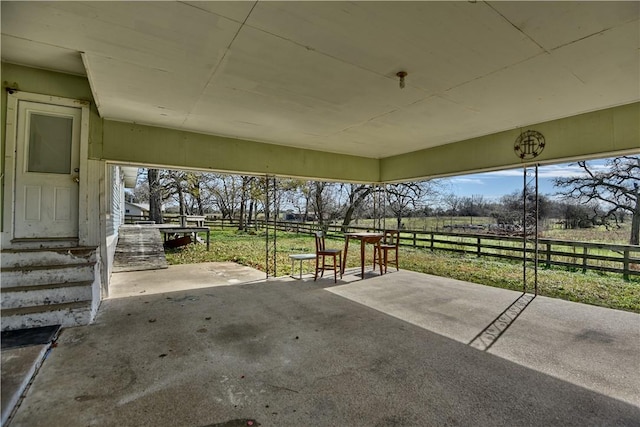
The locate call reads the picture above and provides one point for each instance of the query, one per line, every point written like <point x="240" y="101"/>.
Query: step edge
<point x="27" y="288"/>
<point x="60" y="249"/>
<point x="47" y="266"/>
<point x="36" y="309"/>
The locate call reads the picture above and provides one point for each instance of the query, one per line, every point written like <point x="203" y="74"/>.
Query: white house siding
<point x="134" y="210"/>
<point x="115" y="200"/>
<point x="114" y="203"/>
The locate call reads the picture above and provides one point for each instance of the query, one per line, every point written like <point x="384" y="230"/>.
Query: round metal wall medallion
<point x="529" y="144"/>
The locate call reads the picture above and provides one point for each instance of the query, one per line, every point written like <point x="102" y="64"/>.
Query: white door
<point x="47" y="171"/>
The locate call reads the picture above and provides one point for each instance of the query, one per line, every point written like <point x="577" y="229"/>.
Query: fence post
<point x="479" y="252"/>
<point x="625" y="265"/>
<point x="585" y="251"/>
<point x="431" y="243"/>
<point x="548" y="255"/>
<point x="414" y="238"/>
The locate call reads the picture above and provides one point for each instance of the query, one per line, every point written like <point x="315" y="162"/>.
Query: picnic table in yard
<point x="186" y="232"/>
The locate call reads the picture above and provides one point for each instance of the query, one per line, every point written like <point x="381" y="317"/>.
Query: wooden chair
<point x="390" y="242"/>
<point x="322" y="253"/>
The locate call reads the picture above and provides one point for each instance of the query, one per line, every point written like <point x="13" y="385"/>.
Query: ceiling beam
<point x="603" y="133"/>
<point x="148" y="145"/>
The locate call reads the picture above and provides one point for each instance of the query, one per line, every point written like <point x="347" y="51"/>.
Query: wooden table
<point x="364" y="238"/>
<point x="184" y="230"/>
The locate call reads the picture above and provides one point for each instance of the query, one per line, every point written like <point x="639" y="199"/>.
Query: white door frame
<point x="13" y="98"/>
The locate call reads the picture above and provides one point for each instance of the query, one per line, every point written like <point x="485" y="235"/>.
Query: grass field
<point x="550" y="230"/>
<point x="607" y="290"/>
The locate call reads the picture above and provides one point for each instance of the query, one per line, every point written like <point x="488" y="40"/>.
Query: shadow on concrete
<point x="494" y="330"/>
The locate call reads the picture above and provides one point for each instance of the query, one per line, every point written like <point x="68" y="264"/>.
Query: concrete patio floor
<point x="403" y="349"/>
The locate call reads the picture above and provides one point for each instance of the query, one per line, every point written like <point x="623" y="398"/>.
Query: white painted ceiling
<point x="322" y="75"/>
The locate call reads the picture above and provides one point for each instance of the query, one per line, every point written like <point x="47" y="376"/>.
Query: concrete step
<point x="20" y="258"/>
<point x="38" y="243"/>
<point x="67" y="315"/>
<point x="56" y="293"/>
<point x="47" y="286"/>
<point x="46" y="274"/>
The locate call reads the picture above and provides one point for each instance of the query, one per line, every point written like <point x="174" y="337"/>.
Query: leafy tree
<point x="616" y="188"/>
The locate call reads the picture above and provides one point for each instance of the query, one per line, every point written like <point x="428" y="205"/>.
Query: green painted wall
<point x="56" y="84"/>
<point x="598" y="134"/>
<point x="126" y="142"/>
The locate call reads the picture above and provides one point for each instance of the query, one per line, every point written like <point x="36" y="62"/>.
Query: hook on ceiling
<point x="401" y="75"/>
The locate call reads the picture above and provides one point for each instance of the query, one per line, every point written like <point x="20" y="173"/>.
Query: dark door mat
<point x="31" y="336"/>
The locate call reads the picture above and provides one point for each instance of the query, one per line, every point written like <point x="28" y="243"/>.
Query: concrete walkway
<point x="404" y="349"/>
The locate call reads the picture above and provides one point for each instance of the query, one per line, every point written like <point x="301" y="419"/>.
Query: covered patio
<point x="221" y="346"/>
<point x="366" y="92"/>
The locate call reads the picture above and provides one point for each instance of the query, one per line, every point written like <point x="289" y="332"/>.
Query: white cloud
<point x="467" y="180"/>
<point x="551" y="171"/>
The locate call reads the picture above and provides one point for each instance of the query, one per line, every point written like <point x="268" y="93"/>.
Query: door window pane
<point x="50" y="144"/>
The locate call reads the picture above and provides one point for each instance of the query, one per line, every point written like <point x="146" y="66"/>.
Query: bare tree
<point x="225" y="192"/>
<point x="298" y="195"/>
<point x="579" y="215"/>
<point x="616" y="188"/>
<point x="175" y="182"/>
<point x="403" y="197"/>
<point x="356" y="195"/>
<point x="193" y="181"/>
<point x="472" y="206"/>
<point x="325" y="203"/>
<point x="453" y="202"/>
<point x="244" y="189"/>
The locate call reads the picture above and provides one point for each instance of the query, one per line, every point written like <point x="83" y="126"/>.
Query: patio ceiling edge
<point x="148" y="145"/>
<point x="603" y="133"/>
<point x="595" y="134"/>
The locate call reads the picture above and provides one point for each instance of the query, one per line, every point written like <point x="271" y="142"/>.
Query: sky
<point x="493" y="185"/>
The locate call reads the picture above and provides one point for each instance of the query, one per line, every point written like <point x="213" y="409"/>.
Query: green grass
<point x="549" y="230"/>
<point x="602" y="289"/>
